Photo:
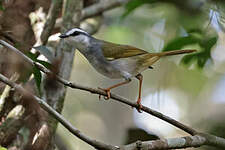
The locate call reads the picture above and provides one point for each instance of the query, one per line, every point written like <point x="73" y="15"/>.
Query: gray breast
<point x="97" y="60"/>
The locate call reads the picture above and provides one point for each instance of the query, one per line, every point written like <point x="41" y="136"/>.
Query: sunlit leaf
<point x="3" y="148"/>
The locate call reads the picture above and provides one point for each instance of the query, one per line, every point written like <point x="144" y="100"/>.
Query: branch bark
<point x="178" y="143"/>
<point x="96" y="10"/>
<point x="172" y="143"/>
<point x="100" y="92"/>
<point x="100" y="7"/>
<point x="53" y="13"/>
<point x="64" y="56"/>
<point x="210" y="139"/>
<point x="60" y="118"/>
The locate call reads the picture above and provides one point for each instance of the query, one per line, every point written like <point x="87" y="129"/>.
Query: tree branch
<point x="100" y="7"/>
<point x="53" y="13"/>
<point x="191" y="141"/>
<point x="211" y="139"/>
<point x="96" y="9"/>
<point x="91" y="25"/>
<point x="171" y="143"/>
<point x="60" y="118"/>
<point x="178" y="143"/>
<point x="100" y="92"/>
<point x="64" y="56"/>
<point x="6" y="92"/>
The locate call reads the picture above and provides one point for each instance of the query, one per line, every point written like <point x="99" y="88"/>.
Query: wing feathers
<point x="113" y="51"/>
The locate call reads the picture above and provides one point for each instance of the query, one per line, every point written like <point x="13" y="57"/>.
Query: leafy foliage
<point x="2" y="148"/>
<point x="45" y="51"/>
<point x="37" y="77"/>
<point x="36" y="72"/>
<point x="195" y="36"/>
<point x="191" y="24"/>
<point x="1" y="8"/>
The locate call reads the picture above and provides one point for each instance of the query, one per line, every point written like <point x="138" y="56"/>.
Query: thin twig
<point x="60" y="118"/>
<point x="6" y="91"/>
<point x="100" y="7"/>
<point x="100" y="92"/>
<point x="96" y="9"/>
<point x="171" y="143"/>
<point x="91" y="25"/>
<point x="178" y="143"/>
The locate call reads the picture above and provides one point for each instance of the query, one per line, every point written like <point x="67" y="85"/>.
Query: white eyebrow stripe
<point x="73" y="30"/>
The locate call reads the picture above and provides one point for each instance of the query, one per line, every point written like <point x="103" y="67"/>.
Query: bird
<point x="115" y="61"/>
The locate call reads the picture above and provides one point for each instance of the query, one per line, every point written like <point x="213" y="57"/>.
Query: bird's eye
<point x="75" y="33"/>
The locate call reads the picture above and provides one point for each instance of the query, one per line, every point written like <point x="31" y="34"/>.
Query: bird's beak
<point x="63" y="36"/>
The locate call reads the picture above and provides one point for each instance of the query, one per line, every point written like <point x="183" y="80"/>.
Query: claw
<point x="139" y="105"/>
<point x="108" y="93"/>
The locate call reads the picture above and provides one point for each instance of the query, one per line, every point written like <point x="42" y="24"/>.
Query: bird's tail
<point x="175" y="52"/>
<point x="153" y="57"/>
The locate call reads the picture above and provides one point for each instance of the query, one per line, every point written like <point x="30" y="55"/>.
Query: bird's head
<point x="77" y="37"/>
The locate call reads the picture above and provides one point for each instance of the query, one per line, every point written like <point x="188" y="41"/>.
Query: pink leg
<point x="107" y="90"/>
<point x="140" y="78"/>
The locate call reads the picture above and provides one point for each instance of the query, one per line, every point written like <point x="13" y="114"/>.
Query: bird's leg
<point x="107" y="90"/>
<point x="140" y="78"/>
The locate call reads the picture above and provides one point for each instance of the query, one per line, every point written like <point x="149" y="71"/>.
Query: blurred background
<point x="190" y="89"/>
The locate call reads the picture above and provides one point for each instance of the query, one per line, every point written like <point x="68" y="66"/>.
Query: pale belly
<point x="119" y="68"/>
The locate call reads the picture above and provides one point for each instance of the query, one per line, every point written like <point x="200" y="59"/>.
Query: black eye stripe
<point x="75" y="33"/>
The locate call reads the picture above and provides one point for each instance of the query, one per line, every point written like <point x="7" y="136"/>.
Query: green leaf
<point x="195" y="30"/>
<point x="1" y="8"/>
<point x="31" y="56"/>
<point x="37" y="77"/>
<point x="45" y="63"/>
<point x="203" y="56"/>
<point x="187" y="59"/>
<point x="209" y="43"/>
<point x="3" y="148"/>
<point x="45" y="51"/>
<point x="34" y="58"/>
<point x="132" y="5"/>
<point x="195" y="36"/>
<point x="180" y="42"/>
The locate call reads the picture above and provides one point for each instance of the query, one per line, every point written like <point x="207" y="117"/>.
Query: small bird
<point x="115" y="60"/>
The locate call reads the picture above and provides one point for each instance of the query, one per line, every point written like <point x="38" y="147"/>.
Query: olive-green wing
<point x="113" y="51"/>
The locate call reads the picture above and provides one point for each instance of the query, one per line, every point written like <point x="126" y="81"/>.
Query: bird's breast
<point x="103" y="66"/>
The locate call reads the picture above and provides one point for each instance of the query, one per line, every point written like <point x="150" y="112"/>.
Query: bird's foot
<point x="107" y="90"/>
<point x="139" y="105"/>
